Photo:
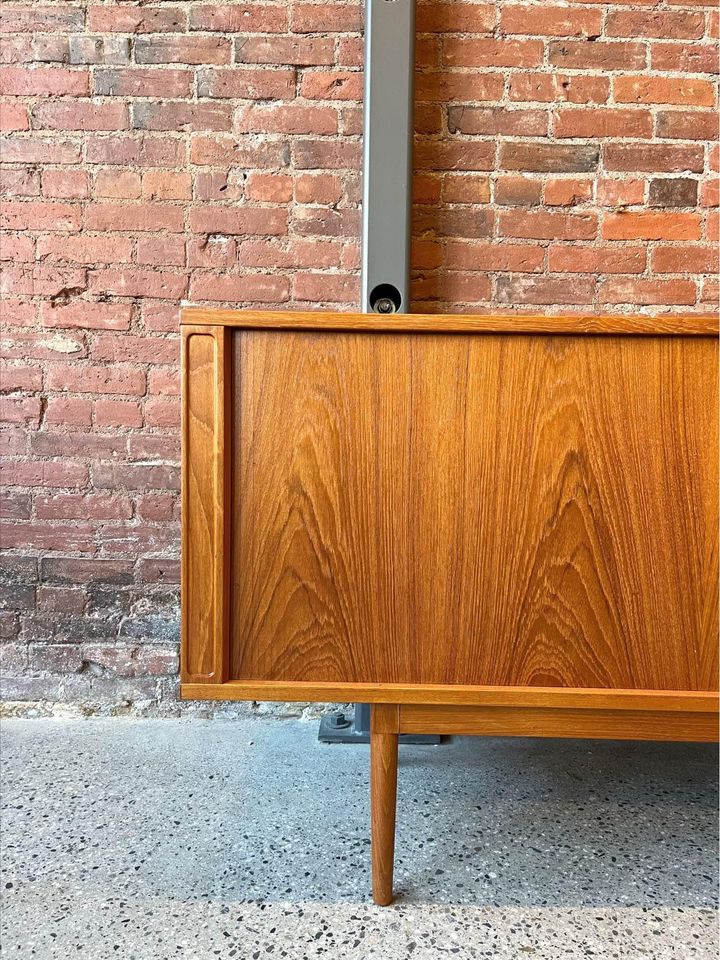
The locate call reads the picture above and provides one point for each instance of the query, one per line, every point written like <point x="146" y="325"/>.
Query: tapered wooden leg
<point x="383" y="799"/>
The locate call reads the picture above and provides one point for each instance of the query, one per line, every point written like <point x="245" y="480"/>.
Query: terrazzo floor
<point x="247" y="839"/>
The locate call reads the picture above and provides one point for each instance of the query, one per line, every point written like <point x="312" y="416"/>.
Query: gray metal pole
<point x="387" y="155"/>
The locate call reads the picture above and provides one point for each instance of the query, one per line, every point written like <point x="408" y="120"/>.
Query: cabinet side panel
<point x="204" y="481"/>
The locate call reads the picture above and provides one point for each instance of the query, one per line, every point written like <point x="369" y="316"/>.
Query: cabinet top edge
<point x="690" y="325"/>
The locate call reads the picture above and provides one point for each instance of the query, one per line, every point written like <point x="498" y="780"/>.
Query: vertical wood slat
<point x="205" y="483"/>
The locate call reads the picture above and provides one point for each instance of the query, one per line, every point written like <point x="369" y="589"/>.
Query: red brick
<point x="79" y="115"/>
<point x="44" y="473"/>
<point x="113" y="349"/>
<point x="86" y="378"/>
<point x="162" y="412"/>
<point x="141" y="151"/>
<point x="73" y="411"/>
<point x="246" y="288"/>
<point x="543" y="20"/>
<point x="517" y="191"/>
<point x="466" y="188"/>
<point x="596" y="122"/>
<point x="684" y="57"/>
<point x="43" y="81"/>
<point x="454" y="156"/>
<point x="651" y="226"/>
<point x="45" y="150"/>
<point x="122" y="18"/>
<point x="481" y="52"/>
<point x="84" y="248"/>
<point x="212" y="251"/>
<point x="248" y="84"/>
<point x="297" y="51"/>
<point x="600" y="55"/>
<point x="182" y="116"/>
<point x="165" y="382"/>
<point x="83" y="570"/>
<point x="65" y="184"/>
<point x="272" y="187"/>
<point x="685" y="25"/>
<point x="43" y="346"/>
<point x="294" y="118"/>
<point x="318" y="188"/>
<point x="497" y="121"/>
<point x="19" y="182"/>
<point x="230" y="220"/>
<point x="325" y="287"/>
<point x="710" y="193"/>
<point x="544" y="290"/>
<point x="161" y="250"/>
<point x="166" y="185"/>
<point x="182" y="49"/>
<point x="20" y="377"/>
<point x="136" y="282"/>
<point x="463" y="87"/>
<point x="61" y="600"/>
<point x="26" y="18"/>
<point x="73" y="537"/>
<point x="118" y="413"/>
<point x="685" y="259"/>
<point x="140" y="217"/>
<point x="13" y="116"/>
<point x="496" y="256"/>
<point x="18" y="247"/>
<point x="654" y="157"/>
<point x="322" y="18"/>
<point x="35" y="215"/>
<point x="116" y="184"/>
<point x="652" y="89"/>
<point x="156" y="507"/>
<point x="567" y="192"/>
<point x="83" y="506"/>
<point x="242" y="18"/>
<point x="550" y="157"/>
<point x="619" y="193"/>
<point x="87" y="315"/>
<point x="14" y="506"/>
<point x="572" y="258"/>
<point x="454" y="287"/>
<point x="547" y="225"/>
<point x="135" y="476"/>
<point x="553" y="87"/>
<point x="687" y="124"/>
<point x="140" y="82"/>
<point x="650" y="292"/>
<point x="20" y="410"/>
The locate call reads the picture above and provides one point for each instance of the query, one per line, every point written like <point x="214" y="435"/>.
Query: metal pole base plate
<point x="340" y="728"/>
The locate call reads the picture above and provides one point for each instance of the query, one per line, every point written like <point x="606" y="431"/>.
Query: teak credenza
<point x="486" y="525"/>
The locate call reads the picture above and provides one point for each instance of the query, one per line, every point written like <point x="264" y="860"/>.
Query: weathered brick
<point x="550" y="157"/>
<point x="43" y="81"/>
<point x="197" y="50"/>
<point x="139" y="82"/>
<point x="673" y="192"/>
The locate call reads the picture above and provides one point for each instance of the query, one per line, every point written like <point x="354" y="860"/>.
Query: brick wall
<point x="157" y="151"/>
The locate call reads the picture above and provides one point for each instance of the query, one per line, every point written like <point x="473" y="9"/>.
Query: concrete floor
<point x="154" y="839"/>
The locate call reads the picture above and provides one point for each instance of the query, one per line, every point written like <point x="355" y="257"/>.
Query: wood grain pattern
<point x="645" y="724"/>
<point x="205" y="464"/>
<point x="664" y="701"/>
<point x="689" y="325"/>
<point x="383" y="799"/>
<point x="531" y="511"/>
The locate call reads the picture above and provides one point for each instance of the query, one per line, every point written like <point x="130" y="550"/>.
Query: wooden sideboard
<point x="502" y="525"/>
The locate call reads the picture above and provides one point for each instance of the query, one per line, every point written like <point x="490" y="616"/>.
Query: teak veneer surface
<point x="480" y="510"/>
